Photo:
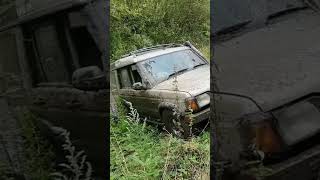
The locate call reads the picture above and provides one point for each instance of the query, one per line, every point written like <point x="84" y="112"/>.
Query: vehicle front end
<point x="278" y="144"/>
<point x="197" y="108"/>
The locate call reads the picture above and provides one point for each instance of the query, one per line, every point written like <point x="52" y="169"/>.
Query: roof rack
<point x="161" y="46"/>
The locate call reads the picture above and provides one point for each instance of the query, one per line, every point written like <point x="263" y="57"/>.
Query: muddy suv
<point x="167" y="83"/>
<point x="52" y="62"/>
<point x="266" y="93"/>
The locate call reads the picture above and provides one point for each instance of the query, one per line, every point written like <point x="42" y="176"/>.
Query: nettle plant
<point x="76" y="167"/>
<point x="176" y="112"/>
<point x="133" y="115"/>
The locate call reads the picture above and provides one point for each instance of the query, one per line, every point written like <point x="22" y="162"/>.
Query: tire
<point x="174" y="126"/>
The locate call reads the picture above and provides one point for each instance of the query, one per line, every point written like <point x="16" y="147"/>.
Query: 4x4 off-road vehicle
<point x="51" y="61"/>
<point x="168" y="83"/>
<point x="266" y="105"/>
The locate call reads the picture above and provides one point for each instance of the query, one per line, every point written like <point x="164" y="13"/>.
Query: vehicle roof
<point x="137" y="57"/>
<point x="37" y="8"/>
<point x="21" y="11"/>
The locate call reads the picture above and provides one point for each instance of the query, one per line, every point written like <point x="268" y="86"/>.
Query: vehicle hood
<point x="194" y="82"/>
<point x="274" y="65"/>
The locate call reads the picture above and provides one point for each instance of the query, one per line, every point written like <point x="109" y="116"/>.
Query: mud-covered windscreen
<point x="163" y="67"/>
<point x="229" y="13"/>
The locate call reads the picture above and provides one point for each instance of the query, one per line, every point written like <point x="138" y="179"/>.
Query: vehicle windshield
<point x="231" y="14"/>
<point x="163" y="67"/>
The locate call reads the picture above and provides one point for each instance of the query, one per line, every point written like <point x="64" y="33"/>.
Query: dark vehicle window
<point x="50" y="54"/>
<point x="87" y="50"/>
<point x="124" y="78"/>
<point x="9" y="62"/>
<point x="160" y="68"/>
<point x="135" y="74"/>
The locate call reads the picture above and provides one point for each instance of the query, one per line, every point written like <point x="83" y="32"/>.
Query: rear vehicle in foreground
<point x="266" y="95"/>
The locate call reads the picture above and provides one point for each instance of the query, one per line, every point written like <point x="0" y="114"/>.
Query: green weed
<point x="38" y="152"/>
<point x="140" y="23"/>
<point x="141" y="152"/>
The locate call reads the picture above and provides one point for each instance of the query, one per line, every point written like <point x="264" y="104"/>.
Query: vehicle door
<point x="11" y="76"/>
<point x="142" y="99"/>
<point x="68" y="83"/>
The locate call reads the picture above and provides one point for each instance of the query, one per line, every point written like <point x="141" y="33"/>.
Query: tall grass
<point x="139" y="23"/>
<point x="38" y="153"/>
<point x="139" y="151"/>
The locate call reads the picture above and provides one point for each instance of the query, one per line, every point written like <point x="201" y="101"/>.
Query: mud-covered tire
<point x="174" y="125"/>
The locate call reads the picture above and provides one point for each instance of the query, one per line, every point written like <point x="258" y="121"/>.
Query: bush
<point x="139" y="23"/>
<point x="139" y="151"/>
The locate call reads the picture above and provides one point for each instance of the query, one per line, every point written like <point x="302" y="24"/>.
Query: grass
<point x="205" y="51"/>
<point x="35" y="159"/>
<point x="5" y="171"/>
<point x="39" y="158"/>
<point x="139" y="151"/>
<point x="39" y="155"/>
<point x="38" y="152"/>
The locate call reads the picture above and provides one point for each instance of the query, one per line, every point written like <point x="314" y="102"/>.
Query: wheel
<point x="174" y="125"/>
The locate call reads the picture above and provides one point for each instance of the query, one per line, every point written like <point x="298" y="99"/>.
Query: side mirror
<point x="89" y="78"/>
<point x="138" y="86"/>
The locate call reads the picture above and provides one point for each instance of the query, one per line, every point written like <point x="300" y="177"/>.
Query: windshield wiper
<point x="232" y="29"/>
<point x="177" y="72"/>
<point x="283" y="13"/>
<point x="199" y="65"/>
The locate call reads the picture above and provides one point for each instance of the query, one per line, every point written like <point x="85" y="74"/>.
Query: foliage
<point x="139" y="151"/>
<point x="39" y="156"/>
<point x="139" y="23"/>
<point x="76" y="168"/>
<point x="5" y="171"/>
<point x="37" y="151"/>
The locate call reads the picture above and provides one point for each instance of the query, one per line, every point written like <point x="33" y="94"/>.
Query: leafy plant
<point x="38" y="152"/>
<point x="139" y="151"/>
<point x="76" y="167"/>
<point x="139" y="23"/>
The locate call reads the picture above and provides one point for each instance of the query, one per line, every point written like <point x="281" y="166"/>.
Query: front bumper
<point x="199" y="116"/>
<point x="304" y="166"/>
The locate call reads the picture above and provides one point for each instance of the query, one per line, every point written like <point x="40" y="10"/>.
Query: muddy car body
<point x="266" y="93"/>
<point x="51" y="62"/>
<point x="165" y="79"/>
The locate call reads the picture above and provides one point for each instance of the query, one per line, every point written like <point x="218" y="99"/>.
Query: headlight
<point x="191" y="104"/>
<point x="258" y="132"/>
<point x="203" y="100"/>
<point x="195" y="104"/>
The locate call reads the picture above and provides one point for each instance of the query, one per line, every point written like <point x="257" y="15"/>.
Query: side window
<point x="87" y="50"/>
<point x="113" y="80"/>
<point x="135" y="74"/>
<point x="50" y="54"/>
<point x="124" y="78"/>
<point x="9" y="62"/>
